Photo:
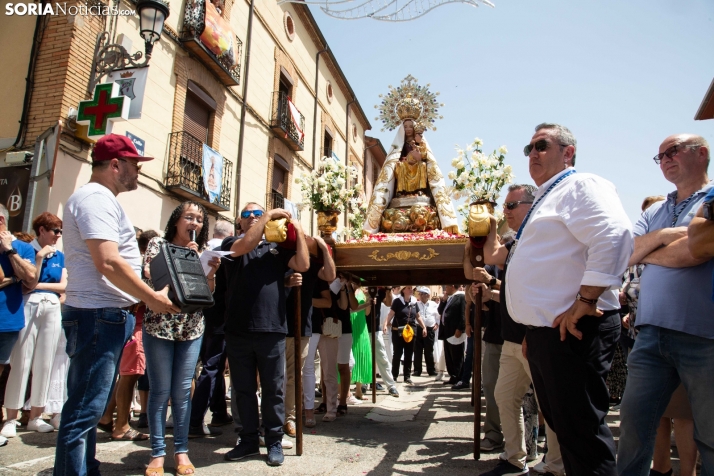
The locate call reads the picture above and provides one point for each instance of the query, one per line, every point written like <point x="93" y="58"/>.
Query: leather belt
<point x="133" y="308"/>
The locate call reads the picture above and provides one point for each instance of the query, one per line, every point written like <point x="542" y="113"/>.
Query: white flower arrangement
<point x="479" y="176"/>
<point x="324" y="189"/>
<point x="356" y="213"/>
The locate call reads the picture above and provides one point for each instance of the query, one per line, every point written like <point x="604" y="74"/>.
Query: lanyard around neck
<point x="552" y="186"/>
<point x="683" y="205"/>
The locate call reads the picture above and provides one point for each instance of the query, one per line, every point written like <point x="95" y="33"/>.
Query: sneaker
<point x="55" y="421"/>
<point x="242" y="450"/>
<point x="393" y="392"/>
<point x="439" y="377"/>
<point x="380" y="387"/>
<point x="460" y="386"/>
<point x="286" y="444"/>
<point x="353" y="401"/>
<point x="221" y="420"/>
<point x="203" y="431"/>
<point x="289" y="429"/>
<point x="504" y="468"/>
<point x="143" y="421"/>
<point x="3" y="441"/>
<point x="170" y="421"/>
<point x="39" y="425"/>
<point x="487" y="444"/>
<point x="9" y="429"/>
<point x="275" y="454"/>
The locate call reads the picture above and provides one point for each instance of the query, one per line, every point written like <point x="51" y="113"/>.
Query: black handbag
<point x="180" y="268"/>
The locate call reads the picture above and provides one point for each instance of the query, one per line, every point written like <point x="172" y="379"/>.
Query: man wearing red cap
<point x="103" y="262"/>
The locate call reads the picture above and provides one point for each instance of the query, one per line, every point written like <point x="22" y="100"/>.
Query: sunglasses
<point x="136" y="164"/>
<point x="56" y="231"/>
<point x="513" y="205"/>
<point x="671" y="152"/>
<point x="539" y="145"/>
<point x="248" y="213"/>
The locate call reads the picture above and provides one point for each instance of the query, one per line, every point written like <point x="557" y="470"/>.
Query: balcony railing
<point x="274" y="200"/>
<point x="283" y="124"/>
<point x="225" y="65"/>
<point x="185" y="172"/>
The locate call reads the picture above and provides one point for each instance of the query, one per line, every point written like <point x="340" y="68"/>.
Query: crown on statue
<point x="419" y="128"/>
<point x="409" y="100"/>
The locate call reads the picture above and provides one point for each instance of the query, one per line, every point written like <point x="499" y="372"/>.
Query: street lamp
<point x="152" y="14"/>
<point x="113" y="56"/>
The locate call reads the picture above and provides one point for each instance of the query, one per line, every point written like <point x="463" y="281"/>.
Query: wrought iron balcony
<point x="283" y="123"/>
<point x="274" y="200"/>
<point x="184" y="176"/>
<point x="225" y="64"/>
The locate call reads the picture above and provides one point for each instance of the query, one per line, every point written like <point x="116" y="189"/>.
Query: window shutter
<point x="196" y="117"/>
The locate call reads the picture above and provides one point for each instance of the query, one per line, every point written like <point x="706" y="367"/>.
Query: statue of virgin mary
<point x="410" y="192"/>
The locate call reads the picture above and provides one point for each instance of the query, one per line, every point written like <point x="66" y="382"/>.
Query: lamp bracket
<point x="111" y="57"/>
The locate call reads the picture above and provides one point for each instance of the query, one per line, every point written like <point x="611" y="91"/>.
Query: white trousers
<point x="439" y="356"/>
<point x="383" y="361"/>
<point x="35" y="350"/>
<point x="308" y="373"/>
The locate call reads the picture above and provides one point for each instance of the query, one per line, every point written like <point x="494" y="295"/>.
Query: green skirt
<point x="361" y="348"/>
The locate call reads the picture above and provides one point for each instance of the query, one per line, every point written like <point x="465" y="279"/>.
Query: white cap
<point x="423" y="289"/>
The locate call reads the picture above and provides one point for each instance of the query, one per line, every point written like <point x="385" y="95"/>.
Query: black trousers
<point x="210" y="389"/>
<point x="569" y="379"/>
<point x="454" y="355"/>
<point x="263" y="353"/>
<point x="400" y="347"/>
<point x="425" y="346"/>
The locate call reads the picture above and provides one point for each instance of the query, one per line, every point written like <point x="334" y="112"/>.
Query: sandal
<point x="108" y="427"/>
<point x="322" y="408"/>
<point x="341" y="410"/>
<point x="182" y="468"/>
<point x="130" y="435"/>
<point x="328" y="417"/>
<point x="310" y="423"/>
<point x="154" y="472"/>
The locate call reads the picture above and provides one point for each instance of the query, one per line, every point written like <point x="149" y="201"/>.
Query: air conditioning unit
<point x="22" y="157"/>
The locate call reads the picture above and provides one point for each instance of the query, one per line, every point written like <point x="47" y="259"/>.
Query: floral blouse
<point x="180" y="327"/>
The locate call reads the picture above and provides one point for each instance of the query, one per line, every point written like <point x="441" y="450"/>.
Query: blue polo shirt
<point x="12" y="313"/>
<point x="708" y="198"/>
<point x="676" y="298"/>
<point x="51" y="271"/>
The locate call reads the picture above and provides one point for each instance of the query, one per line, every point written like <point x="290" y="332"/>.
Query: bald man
<point x="674" y="313"/>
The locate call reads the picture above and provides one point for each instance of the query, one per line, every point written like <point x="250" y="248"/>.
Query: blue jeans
<point x="661" y="359"/>
<point x="172" y="365"/>
<point x="95" y="340"/>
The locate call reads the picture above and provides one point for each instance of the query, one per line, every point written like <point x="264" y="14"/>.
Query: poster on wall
<point x="212" y="173"/>
<point x="14" y="183"/>
<point x="132" y="83"/>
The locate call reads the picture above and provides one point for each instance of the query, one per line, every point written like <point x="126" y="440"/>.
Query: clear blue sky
<point x="621" y="74"/>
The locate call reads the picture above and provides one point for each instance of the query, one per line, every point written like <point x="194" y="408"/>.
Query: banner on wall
<point x="14" y="183"/>
<point x="212" y="173"/>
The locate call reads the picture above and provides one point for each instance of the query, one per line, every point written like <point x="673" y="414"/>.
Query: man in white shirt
<point x="562" y="279"/>
<point x="424" y="345"/>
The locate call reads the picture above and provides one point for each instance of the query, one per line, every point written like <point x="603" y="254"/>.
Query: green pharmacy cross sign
<point x="106" y="107"/>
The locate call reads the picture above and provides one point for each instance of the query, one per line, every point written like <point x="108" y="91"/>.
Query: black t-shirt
<point x="309" y="279"/>
<point x="342" y="314"/>
<point x="256" y="289"/>
<point x="216" y="314"/>
<point x="511" y="331"/>
<point x="403" y="313"/>
<point x="492" y="317"/>
<point x="319" y="314"/>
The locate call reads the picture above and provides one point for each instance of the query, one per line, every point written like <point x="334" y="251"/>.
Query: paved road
<point x="437" y="440"/>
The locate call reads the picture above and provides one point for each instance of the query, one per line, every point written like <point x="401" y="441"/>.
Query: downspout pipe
<point x="241" y="134"/>
<point x="314" y="121"/>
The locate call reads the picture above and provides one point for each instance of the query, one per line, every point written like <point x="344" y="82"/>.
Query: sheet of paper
<point x="208" y="255"/>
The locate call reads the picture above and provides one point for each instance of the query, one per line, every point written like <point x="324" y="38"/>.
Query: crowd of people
<point x="580" y="311"/>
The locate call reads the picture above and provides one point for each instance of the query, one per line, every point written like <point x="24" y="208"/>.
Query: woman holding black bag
<point x="403" y="313"/>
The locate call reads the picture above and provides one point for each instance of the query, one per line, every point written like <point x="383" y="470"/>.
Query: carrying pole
<point x="477" y="261"/>
<point x="297" y="337"/>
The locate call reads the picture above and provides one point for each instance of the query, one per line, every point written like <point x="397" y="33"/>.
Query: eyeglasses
<point x="56" y="231"/>
<point x="671" y="152"/>
<point x="136" y="164"/>
<point x="191" y="219"/>
<point x="539" y="145"/>
<point x="513" y="205"/>
<point x="248" y="213"/>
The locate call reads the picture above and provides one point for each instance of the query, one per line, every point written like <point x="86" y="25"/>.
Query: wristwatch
<point x="493" y="281"/>
<point x="592" y="302"/>
<point x="10" y="252"/>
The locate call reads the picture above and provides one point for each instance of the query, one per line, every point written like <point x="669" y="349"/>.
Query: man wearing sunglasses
<point x="674" y="313"/>
<point x="103" y="260"/>
<point x="256" y="327"/>
<point x="563" y="274"/>
<point x="514" y="374"/>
